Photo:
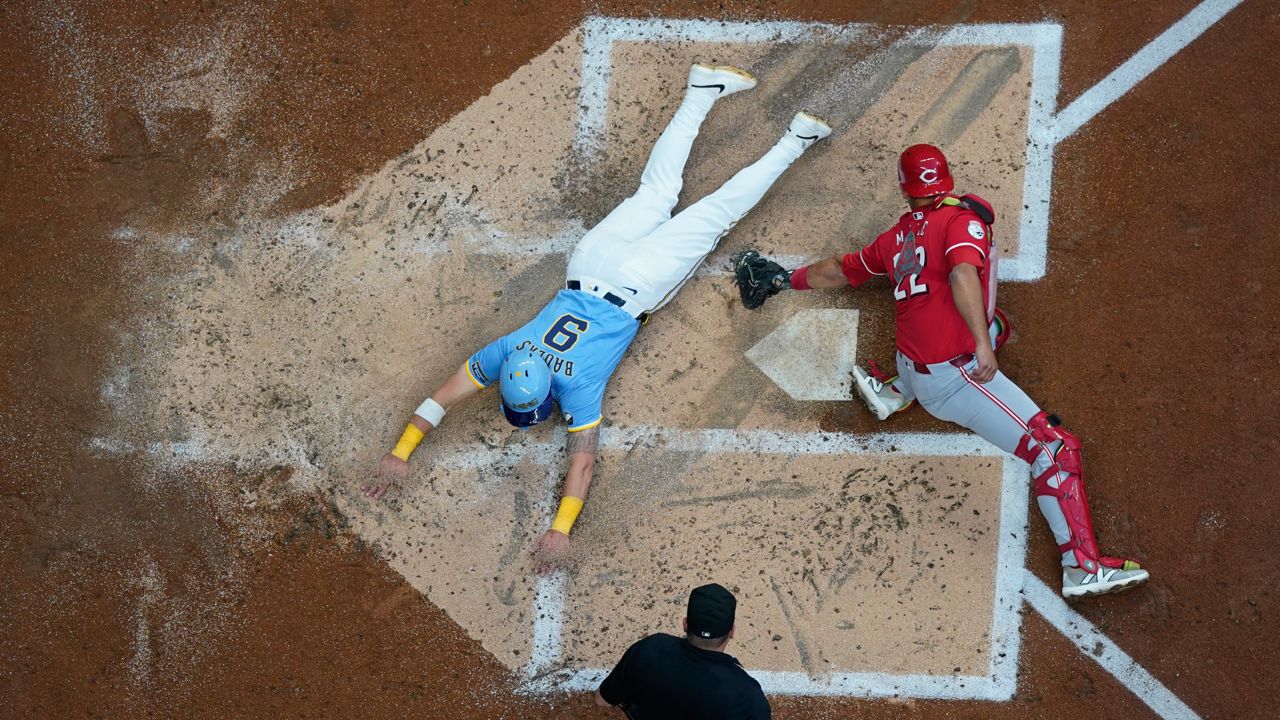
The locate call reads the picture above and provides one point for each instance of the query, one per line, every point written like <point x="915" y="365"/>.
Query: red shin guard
<point x="1068" y="470"/>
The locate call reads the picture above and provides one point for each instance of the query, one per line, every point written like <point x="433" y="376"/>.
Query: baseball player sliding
<point x="940" y="261"/>
<point x="624" y="268"/>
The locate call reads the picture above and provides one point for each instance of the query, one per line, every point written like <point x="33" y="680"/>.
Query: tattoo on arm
<point x="584" y="441"/>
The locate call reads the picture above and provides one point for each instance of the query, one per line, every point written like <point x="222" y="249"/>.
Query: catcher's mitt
<point x="758" y="278"/>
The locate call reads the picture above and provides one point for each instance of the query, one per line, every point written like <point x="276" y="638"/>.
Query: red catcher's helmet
<point x="923" y="171"/>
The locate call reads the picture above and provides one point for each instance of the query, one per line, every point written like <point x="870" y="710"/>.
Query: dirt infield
<point x="187" y="402"/>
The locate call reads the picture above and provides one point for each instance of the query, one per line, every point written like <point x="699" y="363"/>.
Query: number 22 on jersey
<point x="906" y="271"/>
<point x="564" y="332"/>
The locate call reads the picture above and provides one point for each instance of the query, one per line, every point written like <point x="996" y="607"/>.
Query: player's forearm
<point x="966" y="290"/>
<point x="582" y="448"/>
<point x="432" y="410"/>
<point x="574" y="495"/>
<point x="824" y="274"/>
<point x="578" y="479"/>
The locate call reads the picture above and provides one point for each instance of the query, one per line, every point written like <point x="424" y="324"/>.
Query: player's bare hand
<point x="986" y="368"/>
<point x="548" y="551"/>
<point x="391" y="471"/>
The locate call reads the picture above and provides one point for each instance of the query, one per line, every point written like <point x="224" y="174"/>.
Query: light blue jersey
<point x="582" y="338"/>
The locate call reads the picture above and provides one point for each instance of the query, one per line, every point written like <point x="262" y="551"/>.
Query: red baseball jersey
<point x="917" y="255"/>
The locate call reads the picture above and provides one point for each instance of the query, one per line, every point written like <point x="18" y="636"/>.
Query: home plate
<point x="811" y="355"/>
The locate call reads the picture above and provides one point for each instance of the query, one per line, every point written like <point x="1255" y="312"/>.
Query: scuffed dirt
<point x="135" y="587"/>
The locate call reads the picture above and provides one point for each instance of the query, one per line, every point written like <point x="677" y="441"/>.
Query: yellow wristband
<point x="408" y="441"/>
<point x="569" y="508"/>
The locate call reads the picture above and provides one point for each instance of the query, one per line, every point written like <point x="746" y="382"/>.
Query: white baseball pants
<point x="642" y="254"/>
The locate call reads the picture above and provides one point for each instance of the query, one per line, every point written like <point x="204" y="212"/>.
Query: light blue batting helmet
<point x="525" y="383"/>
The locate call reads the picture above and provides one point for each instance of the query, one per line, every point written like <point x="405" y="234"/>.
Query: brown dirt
<point x="257" y="602"/>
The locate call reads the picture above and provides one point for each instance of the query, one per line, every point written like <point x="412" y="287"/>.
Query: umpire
<point x="663" y="676"/>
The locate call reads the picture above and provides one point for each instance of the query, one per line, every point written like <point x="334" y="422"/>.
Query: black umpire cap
<point x="711" y="609"/>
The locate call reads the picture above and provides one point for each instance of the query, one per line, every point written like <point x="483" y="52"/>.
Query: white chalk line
<point x="1037" y="174"/>
<point x="1143" y="63"/>
<point x="864" y="685"/>
<point x="1011" y="553"/>
<point x="722" y="440"/>
<point x="1098" y="647"/>
<point x="548" y="622"/>
<point x="547" y="644"/>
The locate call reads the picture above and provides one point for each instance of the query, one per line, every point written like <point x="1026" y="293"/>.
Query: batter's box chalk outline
<point x="546" y="670"/>
<point x="1044" y="40"/>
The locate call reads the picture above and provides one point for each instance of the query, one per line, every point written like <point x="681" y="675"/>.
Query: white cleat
<point x="725" y="79"/>
<point x="1078" y="582"/>
<point x="809" y="129"/>
<point x="880" y="398"/>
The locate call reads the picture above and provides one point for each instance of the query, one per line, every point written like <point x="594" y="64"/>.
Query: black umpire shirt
<point x="663" y="676"/>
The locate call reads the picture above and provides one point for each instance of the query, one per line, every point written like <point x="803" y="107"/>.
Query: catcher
<point x="940" y="262"/>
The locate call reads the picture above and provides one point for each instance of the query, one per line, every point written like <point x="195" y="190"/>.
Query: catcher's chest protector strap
<point x="976" y="205"/>
<point x="1064" y="480"/>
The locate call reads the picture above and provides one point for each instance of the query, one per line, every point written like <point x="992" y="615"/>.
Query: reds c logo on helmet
<point x="923" y="171"/>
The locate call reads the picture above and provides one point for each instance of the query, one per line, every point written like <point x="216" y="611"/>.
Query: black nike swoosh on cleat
<point x="717" y="85"/>
<point x="631" y="290"/>
<point x="807" y="137"/>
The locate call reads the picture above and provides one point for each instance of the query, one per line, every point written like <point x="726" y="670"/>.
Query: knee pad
<point x="1046" y="430"/>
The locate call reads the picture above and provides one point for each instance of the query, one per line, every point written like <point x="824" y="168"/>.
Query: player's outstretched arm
<point x="823" y="274"/>
<point x="394" y="466"/>
<point x="759" y="278"/>
<point x="582" y="447"/>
